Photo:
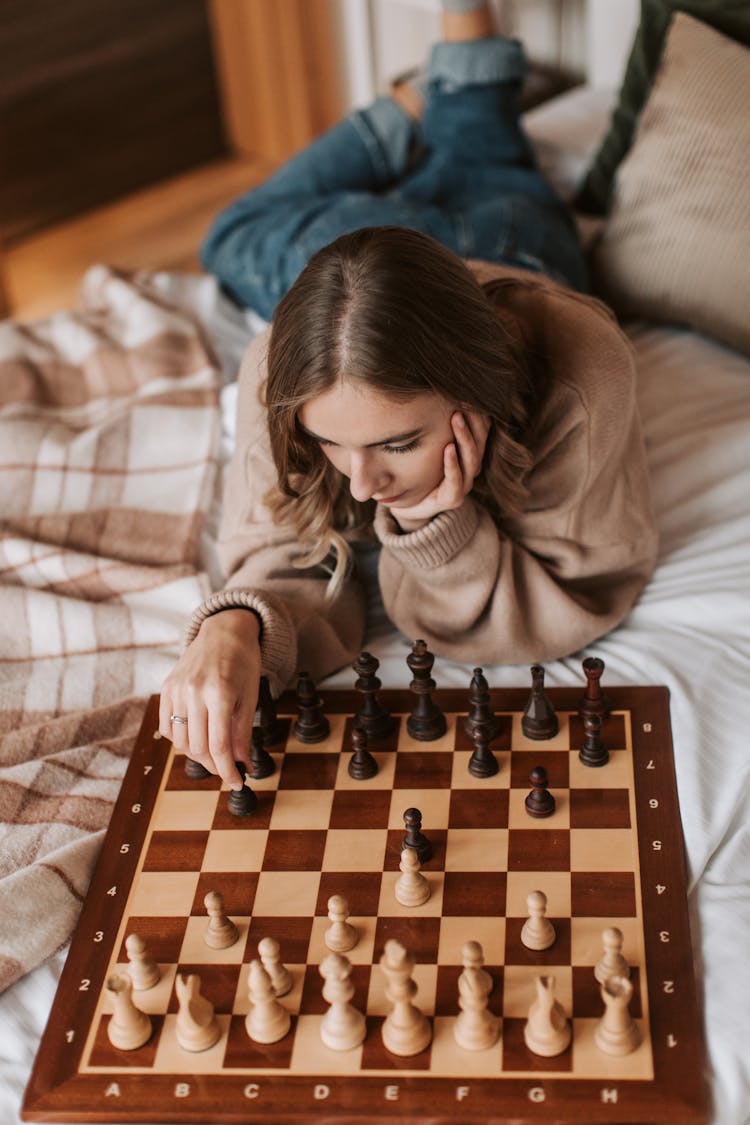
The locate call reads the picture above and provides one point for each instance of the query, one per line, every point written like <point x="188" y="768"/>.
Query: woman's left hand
<point x="462" y="461"/>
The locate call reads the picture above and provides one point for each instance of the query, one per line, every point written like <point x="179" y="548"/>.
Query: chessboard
<point x="607" y="858"/>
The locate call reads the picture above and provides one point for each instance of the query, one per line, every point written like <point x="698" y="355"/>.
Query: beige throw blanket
<point x="109" y="438"/>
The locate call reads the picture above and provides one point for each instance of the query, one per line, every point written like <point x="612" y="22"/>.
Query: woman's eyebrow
<point x="371" y="444"/>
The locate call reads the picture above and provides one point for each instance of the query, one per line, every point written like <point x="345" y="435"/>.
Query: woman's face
<point x="390" y="449"/>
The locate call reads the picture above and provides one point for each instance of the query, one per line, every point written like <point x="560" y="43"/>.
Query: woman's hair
<point x="393" y="309"/>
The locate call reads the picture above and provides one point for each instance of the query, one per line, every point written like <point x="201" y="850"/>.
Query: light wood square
<point x="590" y="1062"/>
<point x="195" y="951"/>
<point x="292" y="1000"/>
<point x="383" y="779"/>
<point x="462" y="779"/>
<point x="617" y="774"/>
<point x="311" y="1056"/>
<point x="445" y="742"/>
<point x="172" y="1059"/>
<point x="425" y="978"/>
<point x="328" y="745"/>
<point x="476" y="849"/>
<point x="354" y="849"/>
<point x="554" y="884"/>
<point x="302" y="808"/>
<point x="169" y="893"/>
<point x="455" y="932"/>
<point x="451" y="1061"/>
<point x="519" y="818"/>
<point x="360" y="954"/>
<point x="432" y="803"/>
<point x="154" y="1001"/>
<point x="235" y="849"/>
<point x="519" y="988"/>
<point x="286" y="894"/>
<point x="586" y="940"/>
<point x="601" y="849"/>
<point x="262" y="783"/>
<point x="389" y="907"/>
<point x="179" y="810"/>
<point x="561" y="741"/>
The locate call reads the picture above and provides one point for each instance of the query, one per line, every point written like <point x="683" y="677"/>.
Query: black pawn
<point x="271" y="727"/>
<point x="480" y="708"/>
<point x="539" y="802"/>
<point x="261" y="762"/>
<point x="195" y="771"/>
<point x="361" y="764"/>
<point x="593" y="752"/>
<point x="539" y="718"/>
<point x="311" y="724"/>
<point x="594" y="701"/>
<point x="241" y="802"/>
<point x="482" y="762"/>
<point x="414" y="837"/>
<point x="372" y="717"/>
<point x="427" y="721"/>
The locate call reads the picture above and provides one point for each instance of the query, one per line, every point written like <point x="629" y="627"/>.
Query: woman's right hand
<point x="214" y="685"/>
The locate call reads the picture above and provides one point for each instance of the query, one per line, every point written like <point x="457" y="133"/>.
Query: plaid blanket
<point x="109" y="439"/>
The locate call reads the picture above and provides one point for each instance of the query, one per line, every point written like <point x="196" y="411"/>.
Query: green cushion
<point x="731" y="17"/>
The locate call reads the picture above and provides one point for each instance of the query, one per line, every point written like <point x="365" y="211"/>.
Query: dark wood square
<point x="175" y="851"/>
<point x="242" y="1051"/>
<point x="259" y="818"/>
<point x="423" y="769"/>
<point x="613" y="733"/>
<point x="376" y="1057"/>
<point x="538" y="849"/>
<point x="599" y="808"/>
<point x="312" y="1002"/>
<point x="218" y="984"/>
<point x="388" y="741"/>
<point x="555" y="762"/>
<point x="419" y="935"/>
<point x="163" y="936"/>
<point x="309" y="771"/>
<point x="104" y="1054"/>
<point x="446" y="996"/>
<point x="475" y="808"/>
<point x="292" y="933"/>
<point x="599" y="894"/>
<point x="291" y="849"/>
<point x="501" y="737"/>
<point x="236" y="888"/>
<point x="177" y="778"/>
<point x="517" y="1056"/>
<point x="474" y="894"/>
<point x="587" y="997"/>
<point x="360" y="808"/>
<point x="394" y="844"/>
<point x="516" y="953"/>
<point x="361" y="889"/>
<point x="281" y="730"/>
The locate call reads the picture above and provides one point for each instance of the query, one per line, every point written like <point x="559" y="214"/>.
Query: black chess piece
<point x="195" y="771"/>
<point x="539" y="719"/>
<point x="372" y="717"/>
<point x="311" y="724"/>
<point x="414" y="837"/>
<point x="539" y="802"/>
<point x="242" y="802"/>
<point x="482" y="762"/>
<point x="361" y="764"/>
<point x="427" y="721"/>
<point x="594" y="701"/>
<point x="593" y="752"/>
<point x="480" y="707"/>
<point x="271" y="726"/>
<point x="261" y="762"/>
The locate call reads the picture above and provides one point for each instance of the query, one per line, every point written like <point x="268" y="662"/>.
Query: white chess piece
<point x="611" y="963"/>
<point x="340" y="936"/>
<point x="268" y="1020"/>
<point x="221" y="931"/>
<point x="617" y="1032"/>
<point x="270" y="956"/>
<point x="475" y="1028"/>
<point x="411" y="888"/>
<point x="129" y="1027"/>
<point x="144" y="972"/>
<point x="547" y="1032"/>
<point x="406" y="1030"/>
<point x="537" y="932"/>
<point x="343" y="1027"/>
<point x="196" y="1026"/>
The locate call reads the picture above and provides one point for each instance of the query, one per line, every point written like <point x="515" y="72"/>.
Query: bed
<point x="117" y="423"/>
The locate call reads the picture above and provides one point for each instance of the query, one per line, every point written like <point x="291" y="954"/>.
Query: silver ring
<point x="177" y="719"/>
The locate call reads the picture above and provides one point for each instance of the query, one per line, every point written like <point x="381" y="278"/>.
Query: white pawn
<point x="342" y="1028"/>
<point x="268" y="1020"/>
<point x="340" y="936"/>
<point x="611" y="963"/>
<point x="129" y="1027"/>
<point x="196" y="1027"/>
<point x="406" y="1030"/>
<point x="538" y="932"/>
<point x="221" y="931"/>
<point x="144" y="972"/>
<point x="617" y="1032"/>
<point x="270" y="955"/>
<point x="476" y="1028"/>
<point x="547" y="1031"/>
<point x="412" y="888"/>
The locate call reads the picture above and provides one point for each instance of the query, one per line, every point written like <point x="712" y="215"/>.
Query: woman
<point x="476" y="421"/>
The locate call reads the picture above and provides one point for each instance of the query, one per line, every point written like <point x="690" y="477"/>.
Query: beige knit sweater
<point x="553" y="580"/>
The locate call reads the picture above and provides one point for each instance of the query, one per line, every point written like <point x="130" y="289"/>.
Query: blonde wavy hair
<point x="393" y="309"/>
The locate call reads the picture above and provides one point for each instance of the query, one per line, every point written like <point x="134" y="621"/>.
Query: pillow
<point x="676" y="245"/>
<point x="732" y="17"/>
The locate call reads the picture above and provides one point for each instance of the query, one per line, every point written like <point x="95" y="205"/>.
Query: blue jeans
<point x="465" y="174"/>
